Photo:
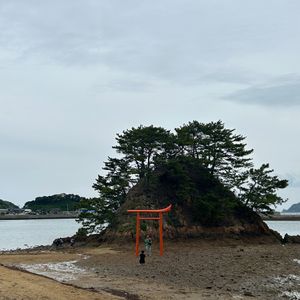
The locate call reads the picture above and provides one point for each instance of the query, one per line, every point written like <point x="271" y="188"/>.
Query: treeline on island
<point x="53" y="204"/>
<point x="204" y="170"/>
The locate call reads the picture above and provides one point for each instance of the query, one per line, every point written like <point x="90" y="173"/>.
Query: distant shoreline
<point x="72" y="216"/>
<point x="36" y="217"/>
<point x="285" y="217"/>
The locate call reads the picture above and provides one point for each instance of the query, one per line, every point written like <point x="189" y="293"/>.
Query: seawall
<point x="284" y="217"/>
<point x="33" y="217"/>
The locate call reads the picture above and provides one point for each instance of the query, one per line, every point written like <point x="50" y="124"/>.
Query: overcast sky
<point x="73" y="73"/>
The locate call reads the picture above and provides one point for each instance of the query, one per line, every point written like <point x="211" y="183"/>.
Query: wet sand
<point x="188" y="270"/>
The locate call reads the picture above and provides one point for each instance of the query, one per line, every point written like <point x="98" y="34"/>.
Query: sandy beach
<point x="188" y="270"/>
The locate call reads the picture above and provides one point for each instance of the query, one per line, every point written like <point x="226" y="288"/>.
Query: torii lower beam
<point x="160" y="218"/>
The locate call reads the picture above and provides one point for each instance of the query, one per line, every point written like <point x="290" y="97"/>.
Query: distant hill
<point x="295" y="208"/>
<point x="59" y="202"/>
<point x="7" y="205"/>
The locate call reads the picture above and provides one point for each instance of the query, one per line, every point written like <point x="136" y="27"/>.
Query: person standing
<point x="142" y="257"/>
<point x="148" y="245"/>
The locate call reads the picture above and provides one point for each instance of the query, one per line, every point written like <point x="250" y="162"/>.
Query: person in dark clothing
<point x="142" y="257"/>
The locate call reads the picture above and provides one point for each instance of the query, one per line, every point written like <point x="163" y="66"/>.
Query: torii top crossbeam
<point x="160" y="218"/>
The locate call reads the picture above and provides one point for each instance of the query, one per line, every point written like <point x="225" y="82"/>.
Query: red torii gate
<point x="160" y="218"/>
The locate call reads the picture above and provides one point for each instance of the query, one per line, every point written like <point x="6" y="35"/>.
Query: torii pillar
<point x="160" y="218"/>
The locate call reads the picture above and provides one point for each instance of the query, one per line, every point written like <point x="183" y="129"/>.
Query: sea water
<point x="29" y="233"/>
<point x="283" y="227"/>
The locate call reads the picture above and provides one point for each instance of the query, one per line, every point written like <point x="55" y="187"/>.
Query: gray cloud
<point x="281" y="94"/>
<point x="74" y="73"/>
<point x="190" y="42"/>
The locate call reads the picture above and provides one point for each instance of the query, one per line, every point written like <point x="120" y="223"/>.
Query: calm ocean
<point x="283" y="227"/>
<point x="28" y="233"/>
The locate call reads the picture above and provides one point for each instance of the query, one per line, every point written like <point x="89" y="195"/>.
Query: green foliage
<point x="141" y="146"/>
<point x="60" y="202"/>
<point x="116" y="183"/>
<point x="215" y="152"/>
<point x="258" y="189"/>
<point x="97" y="213"/>
<point x="81" y="232"/>
<point x="112" y="189"/>
<point x="7" y="205"/>
<point x="192" y="186"/>
<point x="221" y="151"/>
<point x="143" y="226"/>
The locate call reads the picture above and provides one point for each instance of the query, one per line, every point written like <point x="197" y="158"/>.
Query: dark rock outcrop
<point x="291" y="239"/>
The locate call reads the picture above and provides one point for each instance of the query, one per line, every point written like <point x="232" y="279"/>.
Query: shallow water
<point x="61" y="271"/>
<point x="283" y="227"/>
<point x="28" y="233"/>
